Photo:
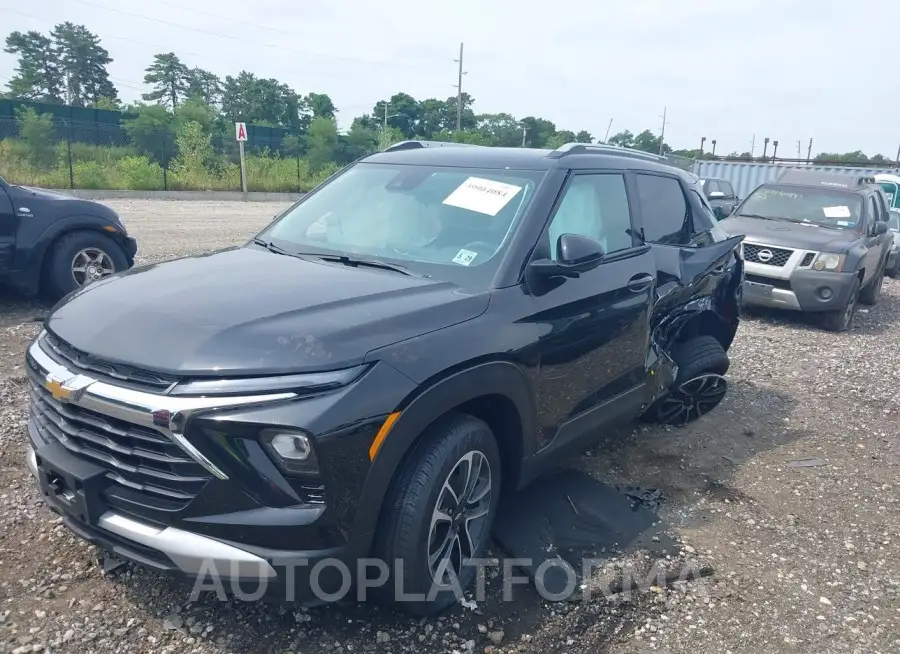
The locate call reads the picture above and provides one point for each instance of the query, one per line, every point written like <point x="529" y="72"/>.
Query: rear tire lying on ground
<point x="842" y="319"/>
<point x="93" y="254"/>
<point x="441" y="505"/>
<point x="699" y="386"/>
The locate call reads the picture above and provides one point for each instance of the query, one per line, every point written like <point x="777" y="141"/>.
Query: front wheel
<point x="438" y="514"/>
<point x="78" y="259"/>
<point x="842" y="319"/>
<point x="872" y="292"/>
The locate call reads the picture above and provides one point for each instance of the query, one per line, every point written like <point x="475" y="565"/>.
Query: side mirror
<point x="716" y="195"/>
<point x="575" y="254"/>
<point x="879" y="228"/>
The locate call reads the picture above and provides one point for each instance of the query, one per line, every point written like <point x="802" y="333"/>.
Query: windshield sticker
<point x="465" y="257"/>
<point x="764" y="193"/>
<point x="836" y="212"/>
<point x="844" y="223"/>
<point x="482" y="195"/>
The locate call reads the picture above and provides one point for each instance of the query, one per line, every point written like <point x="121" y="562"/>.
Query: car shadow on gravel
<point x="697" y="460"/>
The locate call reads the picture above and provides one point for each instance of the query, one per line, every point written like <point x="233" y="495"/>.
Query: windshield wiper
<point x="271" y="247"/>
<point x="369" y="263"/>
<point x="756" y="215"/>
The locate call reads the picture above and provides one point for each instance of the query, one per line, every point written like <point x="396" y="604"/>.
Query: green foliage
<point x="169" y="78"/>
<point x="82" y="62"/>
<point x="321" y="143"/>
<point x="151" y="131"/>
<point x="38" y="76"/>
<point x="37" y="133"/>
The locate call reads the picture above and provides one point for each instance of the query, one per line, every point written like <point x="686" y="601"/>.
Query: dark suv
<point x="430" y="327"/>
<point x="815" y="242"/>
<point x="57" y="243"/>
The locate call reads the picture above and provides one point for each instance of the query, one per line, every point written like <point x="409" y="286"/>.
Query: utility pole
<point x="662" y="133"/>
<point x="523" y="135"/>
<point x="702" y="141"/>
<point x="798" y="149"/>
<point x="753" y="146"/>
<point x="459" y="90"/>
<point x="714" y="147"/>
<point x="765" y="146"/>
<point x="608" y="127"/>
<point x="385" y="114"/>
<point x="809" y="151"/>
<point x="774" y="151"/>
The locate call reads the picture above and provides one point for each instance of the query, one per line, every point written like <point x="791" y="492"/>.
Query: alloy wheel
<point x="692" y="399"/>
<point x="459" y="520"/>
<point x="91" y="264"/>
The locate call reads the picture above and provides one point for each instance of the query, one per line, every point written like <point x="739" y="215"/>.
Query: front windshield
<point x="814" y="206"/>
<point x="423" y="217"/>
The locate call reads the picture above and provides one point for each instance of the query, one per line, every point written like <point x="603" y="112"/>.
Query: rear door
<point x="873" y="243"/>
<point x="593" y="353"/>
<point x="8" y="227"/>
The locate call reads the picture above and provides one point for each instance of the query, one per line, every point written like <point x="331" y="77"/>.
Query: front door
<point x="593" y="352"/>
<point x="8" y="227"/>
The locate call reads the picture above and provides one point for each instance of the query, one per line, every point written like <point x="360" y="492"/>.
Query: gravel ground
<point x="789" y="492"/>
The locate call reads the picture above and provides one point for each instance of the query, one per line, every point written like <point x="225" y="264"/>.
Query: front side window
<point x="727" y="189"/>
<point x="814" y="206"/>
<point x="427" y="217"/>
<point x="894" y="220"/>
<point x="667" y="219"/>
<point x="595" y="206"/>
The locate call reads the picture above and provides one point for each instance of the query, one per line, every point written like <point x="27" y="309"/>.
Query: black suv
<point x="721" y="196"/>
<point x="814" y="242"/>
<point x="428" y="328"/>
<point x="58" y="243"/>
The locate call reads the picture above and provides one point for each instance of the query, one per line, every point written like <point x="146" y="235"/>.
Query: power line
<point x="250" y="41"/>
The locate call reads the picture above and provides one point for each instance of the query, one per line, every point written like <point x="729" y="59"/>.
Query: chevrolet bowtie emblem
<point x="67" y="390"/>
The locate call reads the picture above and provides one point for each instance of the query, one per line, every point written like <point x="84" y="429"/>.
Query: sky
<point x="729" y="70"/>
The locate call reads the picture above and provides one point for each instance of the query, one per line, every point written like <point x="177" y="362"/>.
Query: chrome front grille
<point x="770" y="256"/>
<point x="141" y="461"/>
<point x="85" y="363"/>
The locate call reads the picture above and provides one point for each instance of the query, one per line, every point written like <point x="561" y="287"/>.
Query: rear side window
<point x="664" y="210"/>
<point x="873" y="210"/>
<point x="726" y="189"/>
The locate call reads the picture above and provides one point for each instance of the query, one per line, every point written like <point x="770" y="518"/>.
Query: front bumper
<point x="806" y="290"/>
<point x="237" y="517"/>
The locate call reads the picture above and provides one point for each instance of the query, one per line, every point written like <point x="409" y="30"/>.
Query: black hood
<point x="791" y="234"/>
<point x="248" y="311"/>
<point x="48" y="204"/>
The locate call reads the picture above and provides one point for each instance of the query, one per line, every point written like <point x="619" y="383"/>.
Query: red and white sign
<point x="240" y="131"/>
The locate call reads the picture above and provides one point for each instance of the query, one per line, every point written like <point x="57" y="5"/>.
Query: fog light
<point x="291" y="451"/>
<point x="295" y="447"/>
<point x="825" y="293"/>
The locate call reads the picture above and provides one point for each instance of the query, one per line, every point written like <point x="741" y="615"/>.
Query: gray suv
<point x="814" y="242"/>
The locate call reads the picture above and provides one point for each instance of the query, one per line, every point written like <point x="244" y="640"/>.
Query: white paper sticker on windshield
<point x="836" y="212"/>
<point x="465" y="257"/>
<point x="482" y="195"/>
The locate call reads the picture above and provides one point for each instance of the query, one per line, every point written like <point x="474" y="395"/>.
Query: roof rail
<point x="853" y="180"/>
<point x="414" y="144"/>
<point x="602" y="148"/>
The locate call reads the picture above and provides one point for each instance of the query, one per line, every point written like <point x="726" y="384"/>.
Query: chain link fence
<point x="39" y="151"/>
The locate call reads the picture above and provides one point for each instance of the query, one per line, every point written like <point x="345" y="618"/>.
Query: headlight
<point x="314" y="381"/>
<point x="828" y="261"/>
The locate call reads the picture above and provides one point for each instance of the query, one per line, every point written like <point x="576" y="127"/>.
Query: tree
<point x="205" y="86"/>
<point x="623" y="139"/>
<point x="359" y="141"/>
<point x="321" y="143"/>
<point x="320" y="105"/>
<point x="264" y="102"/>
<point x="36" y="130"/>
<point x="151" y="129"/>
<point x="82" y="62"/>
<point x="500" y="129"/>
<point x="538" y="131"/>
<point x="403" y="112"/>
<point x="169" y="78"/>
<point x="37" y="75"/>
<point x="584" y="137"/>
<point x="649" y="142"/>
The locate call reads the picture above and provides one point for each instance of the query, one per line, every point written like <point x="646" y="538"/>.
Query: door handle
<point x="640" y="283"/>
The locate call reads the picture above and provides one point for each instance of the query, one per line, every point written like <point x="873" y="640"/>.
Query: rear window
<point x="824" y="207"/>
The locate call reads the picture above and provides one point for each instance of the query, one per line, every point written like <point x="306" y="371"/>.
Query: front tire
<point x="842" y="319"/>
<point x="872" y="293"/>
<point x="439" y="511"/>
<point x="78" y="259"/>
